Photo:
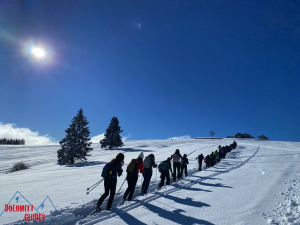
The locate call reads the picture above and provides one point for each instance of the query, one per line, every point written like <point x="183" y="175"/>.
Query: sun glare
<point x="38" y="52"/>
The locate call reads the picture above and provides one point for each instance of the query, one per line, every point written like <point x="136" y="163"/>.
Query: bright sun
<point x="38" y="52"/>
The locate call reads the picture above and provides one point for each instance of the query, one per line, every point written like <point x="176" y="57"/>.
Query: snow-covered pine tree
<point x="112" y="136"/>
<point x="76" y="143"/>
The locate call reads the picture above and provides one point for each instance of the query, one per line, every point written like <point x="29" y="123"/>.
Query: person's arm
<point x="153" y="163"/>
<point x="119" y="170"/>
<point x="197" y="158"/>
<point x="170" y="168"/>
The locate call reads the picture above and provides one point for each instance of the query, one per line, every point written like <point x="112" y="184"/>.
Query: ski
<point x="96" y="212"/>
<point x="121" y="203"/>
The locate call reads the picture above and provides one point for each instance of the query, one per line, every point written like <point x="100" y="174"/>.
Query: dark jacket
<point x="200" y="158"/>
<point x="116" y="169"/>
<point x="184" y="161"/>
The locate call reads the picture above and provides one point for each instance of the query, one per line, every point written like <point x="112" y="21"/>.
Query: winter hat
<point x="141" y="155"/>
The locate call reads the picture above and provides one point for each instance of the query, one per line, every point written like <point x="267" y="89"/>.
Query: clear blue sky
<point x="164" y="68"/>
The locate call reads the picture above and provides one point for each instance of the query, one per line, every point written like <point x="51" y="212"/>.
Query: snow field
<point x="242" y="189"/>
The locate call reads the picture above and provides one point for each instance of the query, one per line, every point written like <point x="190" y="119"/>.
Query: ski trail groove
<point x="153" y="196"/>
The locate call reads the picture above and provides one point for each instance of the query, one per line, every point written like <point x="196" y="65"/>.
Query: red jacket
<point x="140" y="166"/>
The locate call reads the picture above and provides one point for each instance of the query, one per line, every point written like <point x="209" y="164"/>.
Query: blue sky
<point x="164" y="68"/>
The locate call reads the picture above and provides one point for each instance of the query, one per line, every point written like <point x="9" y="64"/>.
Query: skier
<point x="217" y="156"/>
<point x="212" y="159"/>
<point x="176" y="164"/>
<point x="110" y="172"/>
<point x="133" y="169"/>
<point x="149" y="162"/>
<point x="207" y="161"/>
<point x="200" y="159"/>
<point x="222" y="152"/>
<point x="234" y="144"/>
<point x="164" y="168"/>
<point x="184" y="163"/>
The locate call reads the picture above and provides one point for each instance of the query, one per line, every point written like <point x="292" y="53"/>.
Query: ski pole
<point x="93" y="186"/>
<point x="121" y="186"/>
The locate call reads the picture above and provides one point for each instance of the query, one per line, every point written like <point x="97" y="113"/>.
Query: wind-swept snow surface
<point x="257" y="183"/>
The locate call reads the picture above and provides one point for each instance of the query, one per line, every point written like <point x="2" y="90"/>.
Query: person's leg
<point x="106" y="193"/>
<point x="144" y="181"/>
<point x="174" y="172"/>
<point x="132" y="188"/>
<point x="147" y="178"/>
<point x="168" y="177"/>
<point x="185" y="167"/>
<point x="113" y="186"/>
<point x="178" y="166"/>
<point x="128" y="188"/>
<point x="181" y="171"/>
<point x="162" y="181"/>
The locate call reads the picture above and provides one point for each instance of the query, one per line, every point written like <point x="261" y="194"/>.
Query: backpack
<point x="164" y="165"/>
<point x="107" y="171"/>
<point x="176" y="158"/>
<point x="132" y="166"/>
<point x="147" y="162"/>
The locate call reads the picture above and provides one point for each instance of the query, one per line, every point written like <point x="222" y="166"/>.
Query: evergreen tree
<point x="76" y="143"/>
<point x="112" y="136"/>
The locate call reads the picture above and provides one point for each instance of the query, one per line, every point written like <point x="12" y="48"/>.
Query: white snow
<point x="257" y="183"/>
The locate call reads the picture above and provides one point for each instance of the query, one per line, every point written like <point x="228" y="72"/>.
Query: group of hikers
<point x="216" y="156"/>
<point x="144" y="166"/>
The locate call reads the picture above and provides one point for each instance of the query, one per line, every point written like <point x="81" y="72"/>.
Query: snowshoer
<point x="164" y="168"/>
<point x="176" y="164"/>
<point x="184" y="163"/>
<point x="110" y="172"/>
<point x="200" y="159"/>
<point x="133" y="169"/>
<point x="149" y="162"/>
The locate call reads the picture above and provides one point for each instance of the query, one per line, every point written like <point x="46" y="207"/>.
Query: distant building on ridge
<point x="262" y="137"/>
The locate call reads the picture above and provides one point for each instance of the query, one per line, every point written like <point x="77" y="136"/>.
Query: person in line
<point x="207" y="161"/>
<point x="133" y="169"/>
<point x="222" y="152"/>
<point x="149" y="162"/>
<point x="164" y="168"/>
<point x="212" y="159"/>
<point x="217" y="156"/>
<point x="184" y="163"/>
<point x="110" y="172"/>
<point x="200" y="159"/>
<point x="176" y="164"/>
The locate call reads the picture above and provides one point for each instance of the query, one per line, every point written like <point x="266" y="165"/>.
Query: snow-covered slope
<point x="257" y="183"/>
